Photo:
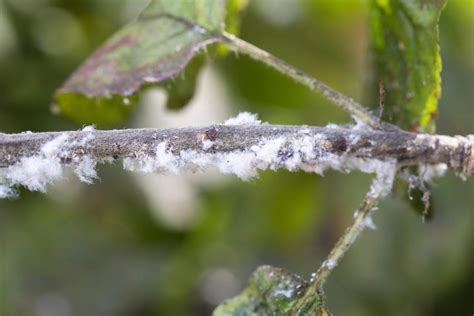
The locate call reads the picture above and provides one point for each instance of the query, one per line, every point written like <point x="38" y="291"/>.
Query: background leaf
<point x="154" y="48"/>
<point x="406" y="50"/>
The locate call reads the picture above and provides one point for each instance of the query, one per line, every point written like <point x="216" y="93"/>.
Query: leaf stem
<point x="358" y="111"/>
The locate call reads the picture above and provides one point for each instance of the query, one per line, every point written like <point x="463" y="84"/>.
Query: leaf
<point x="181" y="90"/>
<point x="405" y="42"/>
<point x="232" y="19"/>
<point x="154" y="48"/>
<point x="234" y="10"/>
<point x="271" y="291"/>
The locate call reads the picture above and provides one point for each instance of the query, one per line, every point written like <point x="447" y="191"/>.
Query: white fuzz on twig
<point x="36" y="172"/>
<point x="244" y="118"/>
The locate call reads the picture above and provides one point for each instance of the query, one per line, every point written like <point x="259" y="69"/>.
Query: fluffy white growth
<point x="84" y="141"/>
<point x="240" y="164"/>
<point x="53" y="147"/>
<point x="360" y="125"/>
<point x="385" y="175"/>
<point x="244" y="118"/>
<point x="36" y="172"/>
<point x="306" y="147"/>
<point x="369" y="222"/>
<point x="330" y="264"/>
<point x="288" y="293"/>
<point x="85" y="170"/>
<point x="428" y="173"/>
<point x="89" y="128"/>
<point x="85" y="167"/>
<point x="332" y="126"/>
<point x="302" y="152"/>
<point x="353" y="139"/>
<point x="6" y="191"/>
<point x="267" y="154"/>
<point x="163" y="161"/>
<point x="304" y="130"/>
<point x="207" y="144"/>
<point x="385" y="172"/>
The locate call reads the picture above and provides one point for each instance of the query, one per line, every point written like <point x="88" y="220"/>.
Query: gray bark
<point x="407" y="148"/>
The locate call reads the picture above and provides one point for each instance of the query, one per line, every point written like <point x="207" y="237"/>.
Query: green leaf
<point x="414" y="199"/>
<point x="406" y="50"/>
<point x="232" y="19"/>
<point x="104" y="111"/>
<point x="271" y="291"/>
<point x="153" y="49"/>
<point x="181" y="89"/>
<point x="234" y="10"/>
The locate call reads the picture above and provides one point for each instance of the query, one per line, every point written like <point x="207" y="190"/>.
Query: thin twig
<point x="358" y="111"/>
<point x="362" y="219"/>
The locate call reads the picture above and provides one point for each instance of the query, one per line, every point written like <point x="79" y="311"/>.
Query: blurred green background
<point x="101" y="249"/>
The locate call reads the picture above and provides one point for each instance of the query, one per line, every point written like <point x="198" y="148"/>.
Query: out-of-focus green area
<point x="98" y="250"/>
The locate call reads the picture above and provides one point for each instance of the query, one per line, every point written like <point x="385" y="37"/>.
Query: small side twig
<point x="380" y="187"/>
<point x="357" y="111"/>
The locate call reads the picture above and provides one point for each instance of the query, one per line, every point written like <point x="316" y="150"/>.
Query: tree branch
<point x="238" y="149"/>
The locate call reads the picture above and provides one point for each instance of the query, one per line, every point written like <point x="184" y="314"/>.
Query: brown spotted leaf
<point x="152" y="49"/>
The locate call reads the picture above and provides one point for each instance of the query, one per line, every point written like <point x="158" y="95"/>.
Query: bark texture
<point x="406" y="148"/>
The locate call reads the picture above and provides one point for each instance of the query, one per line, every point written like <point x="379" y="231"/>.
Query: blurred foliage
<point x="98" y="250"/>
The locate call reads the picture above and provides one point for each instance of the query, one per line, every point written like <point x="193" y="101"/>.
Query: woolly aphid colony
<point x="307" y="150"/>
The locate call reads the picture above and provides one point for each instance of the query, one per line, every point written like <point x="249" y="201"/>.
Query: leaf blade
<point x="405" y="42"/>
<point x="153" y="49"/>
